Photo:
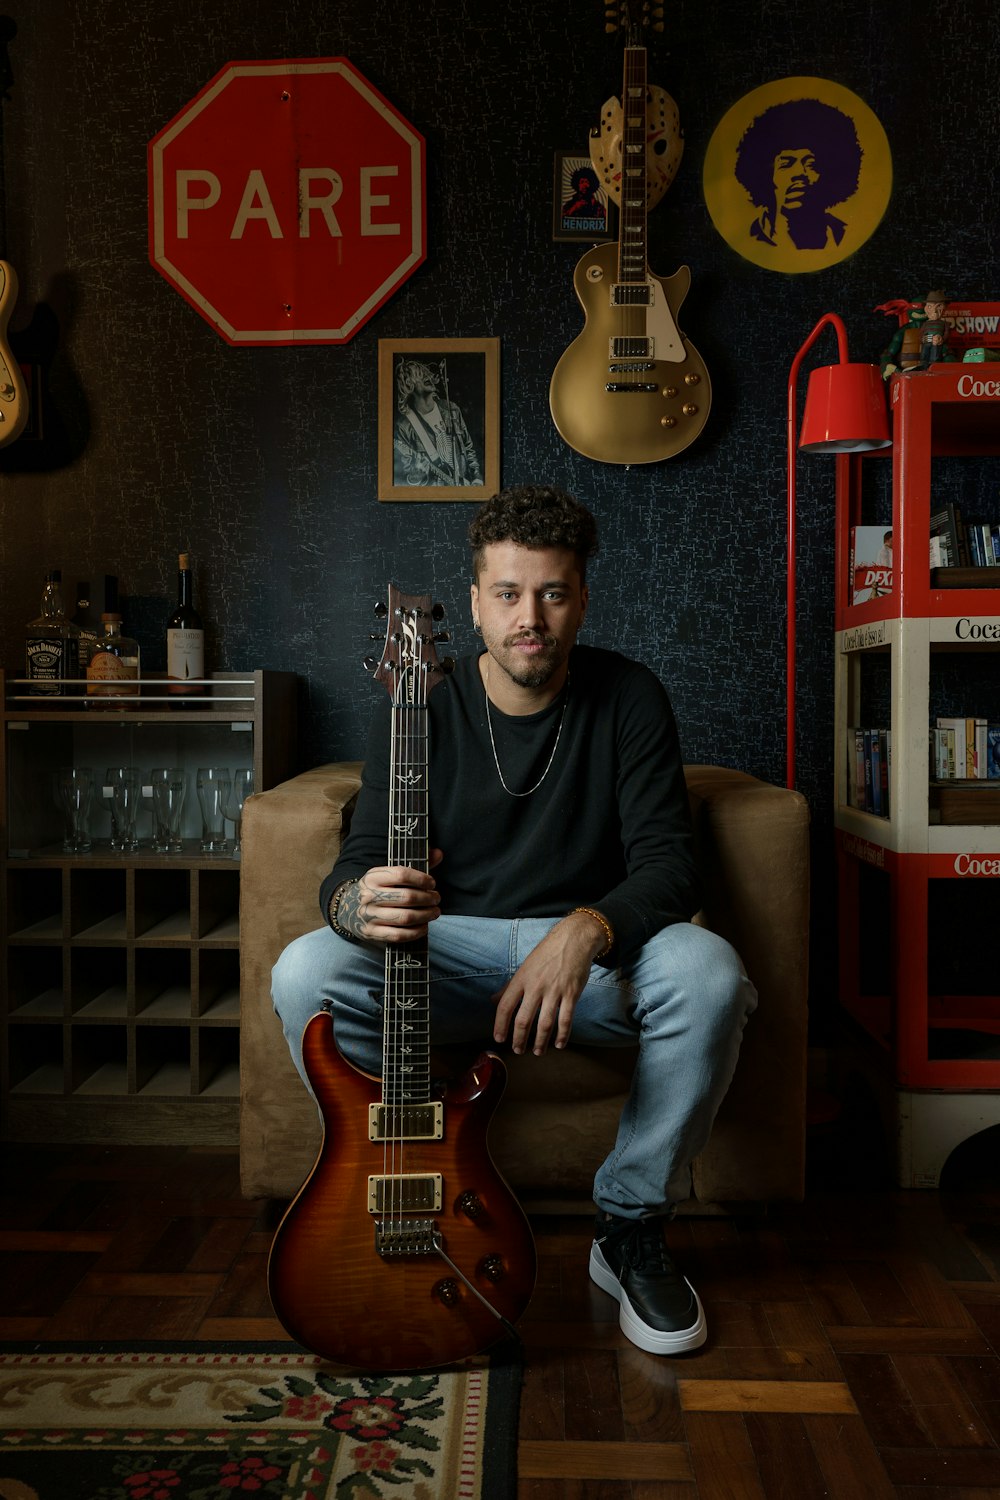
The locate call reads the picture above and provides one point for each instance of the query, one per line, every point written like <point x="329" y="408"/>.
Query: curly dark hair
<point x="800" y="122"/>
<point x="534" y="515"/>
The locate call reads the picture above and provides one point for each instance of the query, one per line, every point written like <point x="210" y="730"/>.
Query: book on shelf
<point x="870" y="563"/>
<point x="869" y="761"/>
<point x="984" y="544"/>
<point x="964" y="749"/>
<point x="948" y="530"/>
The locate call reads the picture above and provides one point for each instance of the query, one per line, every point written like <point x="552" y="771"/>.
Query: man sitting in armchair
<point x="561" y="890"/>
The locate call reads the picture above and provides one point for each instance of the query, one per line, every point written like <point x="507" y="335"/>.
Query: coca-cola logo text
<point x="977" y="864"/>
<point x="968" y="385"/>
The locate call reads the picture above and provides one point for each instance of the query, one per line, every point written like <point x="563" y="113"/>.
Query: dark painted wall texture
<point x="262" y="461"/>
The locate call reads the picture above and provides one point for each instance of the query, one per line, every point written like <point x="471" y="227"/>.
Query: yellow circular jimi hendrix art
<point x="797" y="175"/>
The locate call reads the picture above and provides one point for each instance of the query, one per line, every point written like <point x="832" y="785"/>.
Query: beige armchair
<point x="558" y="1117"/>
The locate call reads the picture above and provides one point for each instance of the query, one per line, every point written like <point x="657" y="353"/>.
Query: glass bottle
<point x="185" y="638"/>
<point x="113" y="668"/>
<point x="87" y="622"/>
<point x="52" y="650"/>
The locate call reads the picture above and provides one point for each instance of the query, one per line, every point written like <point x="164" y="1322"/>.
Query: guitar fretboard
<point x="406" y="1031"/>
<point x="632" y="224"/>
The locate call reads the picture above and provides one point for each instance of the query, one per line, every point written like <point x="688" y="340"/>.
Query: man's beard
<point x="533" y="672"/>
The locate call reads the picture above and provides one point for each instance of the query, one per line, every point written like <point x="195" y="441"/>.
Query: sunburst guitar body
<point x="630" y="389"/>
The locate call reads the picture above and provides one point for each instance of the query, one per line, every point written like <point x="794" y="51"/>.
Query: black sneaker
<point x="659" y="1308"/>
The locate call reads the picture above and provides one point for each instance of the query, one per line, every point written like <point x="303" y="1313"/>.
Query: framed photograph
<point x="581" y="209"/>
<point x="438" y="419"/>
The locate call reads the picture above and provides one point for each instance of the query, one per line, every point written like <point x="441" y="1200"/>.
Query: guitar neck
<point x="406" y="1076"/>
<point x="632" y="257"/>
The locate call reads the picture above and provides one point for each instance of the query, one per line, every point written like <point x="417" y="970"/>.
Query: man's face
<point x="530" y="603"/>
<point x="795" y="173"/>
<point x="934" y="310"/>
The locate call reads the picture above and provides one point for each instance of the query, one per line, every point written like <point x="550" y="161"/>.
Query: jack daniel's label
<point x="46" y="660"/>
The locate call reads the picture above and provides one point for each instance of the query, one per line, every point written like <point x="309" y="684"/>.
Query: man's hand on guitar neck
<point x="388" y="904"/>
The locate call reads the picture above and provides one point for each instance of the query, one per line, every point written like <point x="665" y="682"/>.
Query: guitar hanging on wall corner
<point x="405" y="1249"/>
<point x="631" y="388"/>
<point x="13" y="395"/>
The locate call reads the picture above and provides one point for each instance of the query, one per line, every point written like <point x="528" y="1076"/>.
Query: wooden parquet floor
<point x="854" y="1347"/>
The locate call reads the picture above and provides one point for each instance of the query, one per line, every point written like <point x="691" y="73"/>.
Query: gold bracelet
<point x="609" y="931"/>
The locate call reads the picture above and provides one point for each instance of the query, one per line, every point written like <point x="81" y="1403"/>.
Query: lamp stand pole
<point x="828" y="320"/>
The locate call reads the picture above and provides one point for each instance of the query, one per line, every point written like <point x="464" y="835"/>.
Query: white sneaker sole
<point x="653" y="1340"/>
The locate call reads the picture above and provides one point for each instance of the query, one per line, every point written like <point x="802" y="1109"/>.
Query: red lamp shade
<point x="845" y="410"/>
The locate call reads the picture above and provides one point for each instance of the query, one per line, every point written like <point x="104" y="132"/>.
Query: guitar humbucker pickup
<point x="631" y="294"/>
<point x="406" y="1193"/>
<point x="406" y="1122"/>
<point x="631" y="348"/>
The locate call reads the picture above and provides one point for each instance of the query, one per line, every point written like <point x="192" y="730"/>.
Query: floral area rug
<point x="199" y="1422"/>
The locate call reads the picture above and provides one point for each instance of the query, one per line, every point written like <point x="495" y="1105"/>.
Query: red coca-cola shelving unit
<point x="943" y="1047"/>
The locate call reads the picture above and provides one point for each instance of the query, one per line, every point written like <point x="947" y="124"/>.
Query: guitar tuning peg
<point x="441" y="635"/>
<point x="370" y="664"/>
<point x="448" y="665"/>
<point x="438" y="612"/>
<point x="381" y="610"/>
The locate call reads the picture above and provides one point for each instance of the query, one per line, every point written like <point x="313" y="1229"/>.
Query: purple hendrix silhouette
<point x="796" y="160"/>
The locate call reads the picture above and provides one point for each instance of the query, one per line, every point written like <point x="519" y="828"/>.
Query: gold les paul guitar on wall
<point x="13" y="395"/>
<point x="631" y="388"/>
<point x="405" y="1249"/>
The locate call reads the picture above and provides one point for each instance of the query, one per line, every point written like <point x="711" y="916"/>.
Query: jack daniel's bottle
<point x="52" y="644"/>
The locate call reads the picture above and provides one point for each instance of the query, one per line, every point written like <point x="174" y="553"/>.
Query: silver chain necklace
<point x="496" y="758"/>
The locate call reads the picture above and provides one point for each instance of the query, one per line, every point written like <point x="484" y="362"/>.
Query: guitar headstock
<point x="632" y="17"/>
<point x="409" y="666"/>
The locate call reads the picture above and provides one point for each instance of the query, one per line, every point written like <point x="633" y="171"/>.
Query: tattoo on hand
<point x="349" y="909"/>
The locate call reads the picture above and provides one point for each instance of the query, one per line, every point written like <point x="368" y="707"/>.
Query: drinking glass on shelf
<point x="213" y="783"/>
<point x="74" y="789"/>
<point x="123" y="782"/>
<point x="169" y="786"/>
<point x="239" y="792"/>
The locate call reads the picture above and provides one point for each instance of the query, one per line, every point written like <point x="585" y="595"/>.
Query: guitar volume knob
<point x="670" y="391"/>
<point x="692" y="378"/>
<point x="668" y="421"/>
<point x="689" y="409"/>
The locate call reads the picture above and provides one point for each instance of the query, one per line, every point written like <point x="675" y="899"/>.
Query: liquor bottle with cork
<point x="113" y="668"/>
<point x="52" y="649"/>
<point x="185" y="640"/>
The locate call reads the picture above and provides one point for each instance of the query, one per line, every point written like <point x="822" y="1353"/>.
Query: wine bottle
<point x="52" y="650"/>
<point x="185" y="638"/>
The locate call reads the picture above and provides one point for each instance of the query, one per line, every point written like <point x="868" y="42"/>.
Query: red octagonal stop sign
<point x="286" y="201"/>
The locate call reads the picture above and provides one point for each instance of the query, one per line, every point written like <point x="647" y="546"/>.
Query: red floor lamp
<point x="845" y="412"/>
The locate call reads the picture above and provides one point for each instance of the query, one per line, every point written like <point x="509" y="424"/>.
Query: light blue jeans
<point x="684" y="1000"/>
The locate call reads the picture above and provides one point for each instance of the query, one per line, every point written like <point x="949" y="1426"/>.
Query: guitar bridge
<point x="627" y="366"/>
<point x="405" y="1193"/>
<point x="415" y="1237"/>
<point x="617" y="387"/>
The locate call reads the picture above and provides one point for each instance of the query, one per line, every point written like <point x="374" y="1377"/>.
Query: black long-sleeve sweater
<point x="609" y="826"/>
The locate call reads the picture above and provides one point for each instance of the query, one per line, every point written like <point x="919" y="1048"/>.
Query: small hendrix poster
<point x="580" y="207"/>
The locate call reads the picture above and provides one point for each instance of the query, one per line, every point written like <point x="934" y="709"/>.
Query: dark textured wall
<point x="262" y="461"/>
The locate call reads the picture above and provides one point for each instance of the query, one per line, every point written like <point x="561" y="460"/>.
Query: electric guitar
<point x="13" y="395"/>
<point x="631" y="388"/>
<point x="405" y="1249"/>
